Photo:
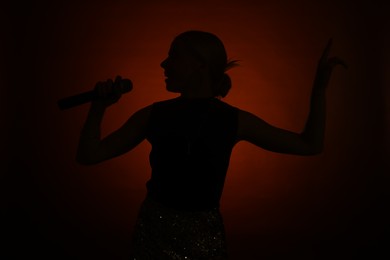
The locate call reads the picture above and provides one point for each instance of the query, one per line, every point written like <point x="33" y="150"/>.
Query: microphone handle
<point x="76" y="100"/>
<point x="88" y="96"/>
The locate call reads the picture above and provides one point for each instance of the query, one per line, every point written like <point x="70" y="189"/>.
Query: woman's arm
<point x="91" y="149"/>
<point x="310" y="141"/>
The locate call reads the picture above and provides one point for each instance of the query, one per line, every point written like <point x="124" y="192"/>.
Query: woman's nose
<point x="164" y="63"/>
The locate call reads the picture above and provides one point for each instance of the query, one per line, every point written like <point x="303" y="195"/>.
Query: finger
<point x="326" y="51"/>
<point x="127" y="85"/>
<point x="118" y="84"/>
<point x="109" y="87"/>
<point x="334" y="61"/>
<point x="118" y="79"/>
<point x="344" y="64"/>
<point x="109" y="83"/>
<point x="99" y="88"/>
<point x="117" y="89"/>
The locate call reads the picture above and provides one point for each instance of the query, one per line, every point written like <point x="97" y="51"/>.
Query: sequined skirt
<point x="163" y="233"/>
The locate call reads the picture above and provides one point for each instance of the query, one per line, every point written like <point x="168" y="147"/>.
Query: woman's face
<point x="181" y="68"/>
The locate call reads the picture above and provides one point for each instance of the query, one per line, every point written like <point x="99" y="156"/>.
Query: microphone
<point x="88" y="96"/>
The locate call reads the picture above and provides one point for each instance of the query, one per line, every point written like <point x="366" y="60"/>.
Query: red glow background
<point x="330" y="206"/>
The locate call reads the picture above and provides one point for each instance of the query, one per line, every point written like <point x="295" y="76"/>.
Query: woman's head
<point x="194" y="57"/>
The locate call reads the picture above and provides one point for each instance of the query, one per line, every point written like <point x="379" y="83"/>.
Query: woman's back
<point x="192" y="140"/>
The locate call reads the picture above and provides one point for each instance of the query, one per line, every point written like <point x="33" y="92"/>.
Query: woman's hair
<point x="209" y="49"/>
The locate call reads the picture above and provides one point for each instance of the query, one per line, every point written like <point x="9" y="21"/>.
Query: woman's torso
<point x="192" y="140"/>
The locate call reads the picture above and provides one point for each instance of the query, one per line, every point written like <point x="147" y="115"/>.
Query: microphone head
<point x="127" y="86"/>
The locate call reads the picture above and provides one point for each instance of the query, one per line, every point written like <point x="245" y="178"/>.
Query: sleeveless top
<point x="192" y="140"/>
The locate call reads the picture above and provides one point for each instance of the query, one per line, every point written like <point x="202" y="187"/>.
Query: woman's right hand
<point x="326" y="66"/>
<point x="108" y="92"/>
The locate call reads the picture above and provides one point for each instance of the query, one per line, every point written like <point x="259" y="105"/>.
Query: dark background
<point x="331" y="206"/>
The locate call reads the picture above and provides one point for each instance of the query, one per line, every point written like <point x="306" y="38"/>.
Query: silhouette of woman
<point x="192" y="137"/>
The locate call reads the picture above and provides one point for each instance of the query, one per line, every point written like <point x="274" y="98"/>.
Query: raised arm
<point x="310" y="140"/>
<point x="91" y="149"/>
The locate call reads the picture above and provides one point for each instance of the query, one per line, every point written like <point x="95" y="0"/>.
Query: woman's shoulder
<point x="225" y="104"/>
<point x="165" y="102"/>
<point x="226" y="108"/>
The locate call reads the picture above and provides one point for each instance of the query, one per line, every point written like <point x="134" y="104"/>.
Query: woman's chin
<point x="172" y="88"/>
